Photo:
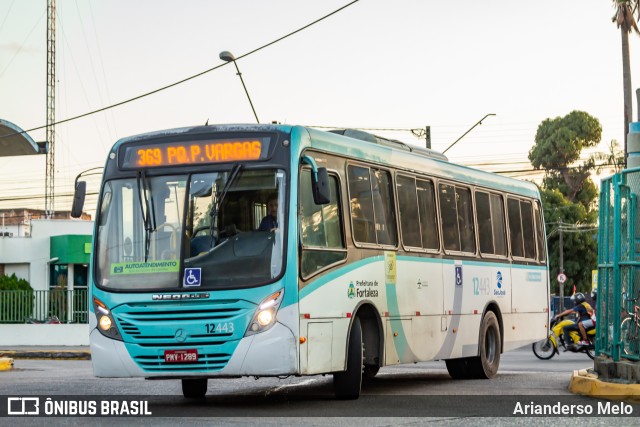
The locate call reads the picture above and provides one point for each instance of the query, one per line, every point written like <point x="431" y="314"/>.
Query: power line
<point x="188" y="78"/>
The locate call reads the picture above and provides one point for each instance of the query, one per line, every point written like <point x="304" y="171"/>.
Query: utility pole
<point x="427" y="136"/>
<point x="51" y="108"/>
<point x="561" y="268"/>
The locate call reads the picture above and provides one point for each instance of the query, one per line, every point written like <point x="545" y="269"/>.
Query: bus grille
<point x="212" y="327"/>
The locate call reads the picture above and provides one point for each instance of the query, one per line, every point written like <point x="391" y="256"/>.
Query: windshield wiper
<point x="148" y="214"/>
<point x="220" y="195"/>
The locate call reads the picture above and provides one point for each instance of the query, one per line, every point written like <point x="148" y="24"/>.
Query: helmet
<point x="580" y="298"/>
<point x="594" y="294"/>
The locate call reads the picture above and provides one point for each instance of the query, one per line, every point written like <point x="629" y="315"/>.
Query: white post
<point x="70" y="307"/>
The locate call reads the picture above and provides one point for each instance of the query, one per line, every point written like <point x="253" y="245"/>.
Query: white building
<point x="53" y="256"/>
<point x="51" y="250"/>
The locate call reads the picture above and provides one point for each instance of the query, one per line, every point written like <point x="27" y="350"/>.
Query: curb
<point x="47" y="354"/>
<point x="587" y="384"/>
<point x="6" y="363"/>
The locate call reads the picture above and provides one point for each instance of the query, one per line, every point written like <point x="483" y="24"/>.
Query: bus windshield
<point x="224" y="229"/>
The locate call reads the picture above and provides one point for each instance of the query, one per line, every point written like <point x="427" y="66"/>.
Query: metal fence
<point x="618" y="312"/>
<point x="69" y="306"/>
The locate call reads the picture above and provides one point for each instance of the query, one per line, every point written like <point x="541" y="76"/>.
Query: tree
<point x="568" y="194"/>
<point x="624" y="20"/>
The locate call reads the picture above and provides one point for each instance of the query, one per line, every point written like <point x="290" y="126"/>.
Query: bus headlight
<point x="265" y="315"/>
<point x="106" y="324"/>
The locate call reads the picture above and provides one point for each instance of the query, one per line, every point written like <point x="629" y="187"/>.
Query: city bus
<point x="275" y="250"/>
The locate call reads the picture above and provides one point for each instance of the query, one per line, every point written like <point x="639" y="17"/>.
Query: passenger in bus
<point x="270" y="221"/>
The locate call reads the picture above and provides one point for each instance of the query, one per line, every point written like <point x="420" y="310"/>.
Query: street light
<point x="228" y="57"/>
<point x="470" y="129"/>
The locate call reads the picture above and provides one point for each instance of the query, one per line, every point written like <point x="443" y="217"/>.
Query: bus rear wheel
<point x="194" y="388"/>
<point x="486" y="364"/>
<point x="347" y="384"/>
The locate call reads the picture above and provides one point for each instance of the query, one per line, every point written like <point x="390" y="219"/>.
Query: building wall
<point x="34" y="251"/>
<point x="20" y="270"/>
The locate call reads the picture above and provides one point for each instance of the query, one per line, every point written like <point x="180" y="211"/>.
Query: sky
<point x="402" y="64"/>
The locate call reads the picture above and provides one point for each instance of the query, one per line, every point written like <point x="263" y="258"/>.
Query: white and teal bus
<point x="273" y="250"/>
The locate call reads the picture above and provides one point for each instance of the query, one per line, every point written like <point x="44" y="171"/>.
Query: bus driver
<point x="270" y="221"/>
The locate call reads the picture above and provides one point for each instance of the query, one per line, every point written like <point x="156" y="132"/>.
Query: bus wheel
<point x="194" y="388"/>
<point x="486" y="364"/>
<point x="347" y="384"/>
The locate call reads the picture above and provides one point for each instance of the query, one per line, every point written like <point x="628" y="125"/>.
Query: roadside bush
<point x="16" y="303"/>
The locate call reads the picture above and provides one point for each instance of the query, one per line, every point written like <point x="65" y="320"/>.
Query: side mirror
<point x="320" y="184"/>
<point x="78" y="199"/>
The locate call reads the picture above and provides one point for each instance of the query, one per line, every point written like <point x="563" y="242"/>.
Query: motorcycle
<point x="548" y="347"/>
<point x="48" y="320"/>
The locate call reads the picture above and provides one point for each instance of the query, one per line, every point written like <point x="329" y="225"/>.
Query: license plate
<point x="181" y="356"/>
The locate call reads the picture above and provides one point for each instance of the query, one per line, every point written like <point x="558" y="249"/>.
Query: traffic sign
<point x="562" y="277"/>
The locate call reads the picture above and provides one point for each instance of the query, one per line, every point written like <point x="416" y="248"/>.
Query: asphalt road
<point x="415" y="394"/>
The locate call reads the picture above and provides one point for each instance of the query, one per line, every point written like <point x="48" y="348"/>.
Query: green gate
<point x="618" y="315"/>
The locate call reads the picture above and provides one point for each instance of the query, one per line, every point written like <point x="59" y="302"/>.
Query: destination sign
<point x="195" y="152"/>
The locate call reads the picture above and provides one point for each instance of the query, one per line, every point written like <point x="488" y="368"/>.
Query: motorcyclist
<point x="582" y="308"/>
<point x="591" y="322"/>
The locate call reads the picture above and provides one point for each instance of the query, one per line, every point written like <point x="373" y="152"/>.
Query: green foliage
<point x="569" y="196"/>
<point x="559" y="141"/>
<point x="12" y="283"/>
<point x="16" y="302"/>
<point x="580" y="249"/>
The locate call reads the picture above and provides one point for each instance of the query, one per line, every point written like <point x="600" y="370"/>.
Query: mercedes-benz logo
<point x="181" y="335"/>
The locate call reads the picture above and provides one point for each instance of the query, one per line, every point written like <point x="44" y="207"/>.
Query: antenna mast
<point x="51" y="108"/>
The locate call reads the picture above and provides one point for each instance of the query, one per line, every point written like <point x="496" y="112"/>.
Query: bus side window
<point x="515" y="228"/>
<point x="408" y="210"/>
<point x="384" y="209"/>
<point x="465" y="220"/>
<point x="449" y="216"/>
<point x="528" y="234"/>
<point x="490" y="216"/>
<point x="428" y="216"/>
<point x="498" y="225"/>
<point x="540" y="233"/>
<point x="361" y="205"/>
<point x="485" y="228"/>
<point x="320" y="228"/>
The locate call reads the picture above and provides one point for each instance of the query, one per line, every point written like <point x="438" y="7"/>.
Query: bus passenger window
<point x="499" y="226"/>
<point x="361" y="205"/>
<point x="427" y="208"/>
<point x="485" y="230"/>
<point x="540" y="233"/>
<point x="490" y="216"/>
<point x="515" y="228"/>
<point x="527" y="230"/>
<point x="384" y="209"/>
<point x="465" y="220"/>
<point x="449" y="216"/>
<point x="408" y="210"/>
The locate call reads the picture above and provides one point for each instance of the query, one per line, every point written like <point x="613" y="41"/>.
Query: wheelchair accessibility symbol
<point x="458" y="275"/>
<point x="192" y="276"/>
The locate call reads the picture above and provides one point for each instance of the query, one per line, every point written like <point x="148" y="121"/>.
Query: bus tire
<point x="194" y="388"/>
<point x="460" y="369"/>
<point x="485" y="365"/>
<point x="347" y="384"/>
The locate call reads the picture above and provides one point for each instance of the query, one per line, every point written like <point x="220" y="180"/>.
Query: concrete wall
<point x="53" y="335"/>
